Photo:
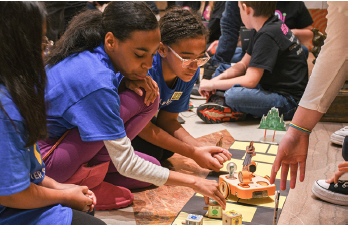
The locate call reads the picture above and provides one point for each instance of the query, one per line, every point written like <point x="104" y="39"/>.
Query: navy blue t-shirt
<point x="21" y="166"/>
<point x="82" y="92"/>
<point x="171" y="100"/>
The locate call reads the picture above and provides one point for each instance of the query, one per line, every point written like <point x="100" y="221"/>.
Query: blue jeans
<point x="256" y="101"/>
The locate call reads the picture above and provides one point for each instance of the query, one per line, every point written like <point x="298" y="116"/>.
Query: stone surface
<point x="302" y="206"/>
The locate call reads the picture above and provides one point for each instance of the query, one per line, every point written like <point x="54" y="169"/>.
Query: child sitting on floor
<point x="273" y="72"/>
<point x="175" y="69"/>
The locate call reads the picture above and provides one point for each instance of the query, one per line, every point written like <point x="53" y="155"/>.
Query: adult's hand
<point x="292" y="153"/>
<point x="148" y="84"/>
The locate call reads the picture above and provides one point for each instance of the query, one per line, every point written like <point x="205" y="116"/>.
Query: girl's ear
<point x="111" y="42"/>
<point x="161" y="50"/>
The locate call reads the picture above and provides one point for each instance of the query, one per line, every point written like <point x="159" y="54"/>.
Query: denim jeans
<point x="256" y="101"/>
<point x="230" y="24"/>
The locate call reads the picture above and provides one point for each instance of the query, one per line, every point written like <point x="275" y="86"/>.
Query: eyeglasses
<point x="187" y="62"/>
<point x="46" y="44"/>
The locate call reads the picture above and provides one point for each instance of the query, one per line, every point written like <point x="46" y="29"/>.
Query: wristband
<point x="300" y="128"/>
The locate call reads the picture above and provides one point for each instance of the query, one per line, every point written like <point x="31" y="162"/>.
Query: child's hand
<point x="206" y="86"/>
<point x="211" y="157"/>
<point x="342" y="168"/>
<point x="210" y="189"/>
<point x="92" y="196"/>
<point x="148" y="84"/>
<point x="79" y="198"/>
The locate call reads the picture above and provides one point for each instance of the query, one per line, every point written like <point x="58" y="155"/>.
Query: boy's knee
<point x="234" y="96"/>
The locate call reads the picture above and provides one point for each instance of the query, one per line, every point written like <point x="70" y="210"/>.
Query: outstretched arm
<point x="130" y="165"/>
<point x="170" y="135"/>
<point x="292" y="151"/>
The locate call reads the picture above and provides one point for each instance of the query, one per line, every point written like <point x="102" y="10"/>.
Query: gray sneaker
<point x="339" y="136"/>
<point x="195" y="94"/>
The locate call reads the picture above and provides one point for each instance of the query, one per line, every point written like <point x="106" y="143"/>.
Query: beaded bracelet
<point x="300" y="128"/>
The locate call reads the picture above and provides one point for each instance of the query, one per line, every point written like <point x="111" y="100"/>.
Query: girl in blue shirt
<point x="27" y="195"/>
<point x="175" y="69"/>
<point x="93" y="114"/>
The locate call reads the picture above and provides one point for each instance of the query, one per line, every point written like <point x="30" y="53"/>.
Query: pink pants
<point x="72" y="152"/>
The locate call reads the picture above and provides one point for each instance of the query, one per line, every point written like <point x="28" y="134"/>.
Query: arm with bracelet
<point x="328" y="76"/>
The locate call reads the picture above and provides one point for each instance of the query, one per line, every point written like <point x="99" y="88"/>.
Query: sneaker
<point x="195" y="93"/>
<point x="338" y="136"/>
<point x="333" y="193"/>
<point x="215" y="111"/>
<point x="209" y="70"/>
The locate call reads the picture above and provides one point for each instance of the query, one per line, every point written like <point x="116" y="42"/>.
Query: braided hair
<point x="178" y="24"/>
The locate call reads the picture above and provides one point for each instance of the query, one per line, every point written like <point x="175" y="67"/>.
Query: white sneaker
<point x="334" y="193"/>
<point x="338" y="136"/>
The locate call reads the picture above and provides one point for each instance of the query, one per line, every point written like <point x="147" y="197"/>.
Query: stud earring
<point x="162" y="55"/>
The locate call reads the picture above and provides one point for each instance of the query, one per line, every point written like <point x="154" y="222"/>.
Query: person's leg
<point x="238" y="55"/>
<point x="69" y="155"/>
<point x="114" y="177"/>
<point x="221" y="68"/>
<point x="135" y="113"/>
<point x="258" y="102"/>
<point x="345" y="149"/>
<point x="147" y="148"/>
<point x="80" y="217"/>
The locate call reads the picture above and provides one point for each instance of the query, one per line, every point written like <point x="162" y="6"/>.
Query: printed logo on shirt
<point x="280" y="15"/>
<point x="37" y="174"/>
<point x="166" y="102"/>
<point x="176" y="95"/>
<point x="284" y="29"/>
<point x="37" y="154"/>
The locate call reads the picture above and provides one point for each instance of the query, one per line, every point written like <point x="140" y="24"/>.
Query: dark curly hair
<point x="88" y="29"/>
<point x="178" y="24"/>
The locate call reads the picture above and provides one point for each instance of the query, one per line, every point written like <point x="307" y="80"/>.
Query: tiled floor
<point x="160" y="205"/>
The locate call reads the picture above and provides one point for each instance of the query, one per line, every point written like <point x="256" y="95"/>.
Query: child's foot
<point x="215" y="111"/>
<point x="333" y="193"/>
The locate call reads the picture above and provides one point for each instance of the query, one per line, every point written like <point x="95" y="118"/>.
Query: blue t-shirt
<point x="82" y="92"/>
<point x="19" y="167"/>
<point x="172" y="100"/>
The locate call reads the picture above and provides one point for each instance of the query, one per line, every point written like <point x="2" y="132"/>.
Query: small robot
<point x="245" y="184"/>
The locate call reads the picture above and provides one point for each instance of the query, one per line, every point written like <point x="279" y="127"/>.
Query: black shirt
<point x="277" y="50"/>
<point x="294" y="14"/>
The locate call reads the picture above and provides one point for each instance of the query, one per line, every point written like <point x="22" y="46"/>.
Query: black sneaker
<point x="195" y="93"/>
<point x="333" y="193"/>
<point x="209" y="70"/>
<point x="215" y="111"/>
